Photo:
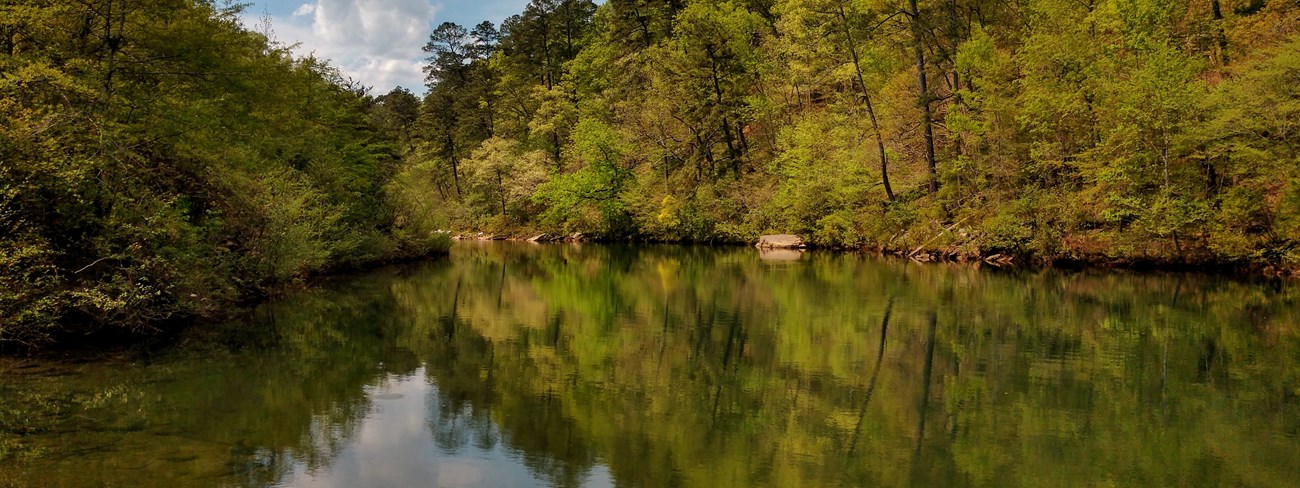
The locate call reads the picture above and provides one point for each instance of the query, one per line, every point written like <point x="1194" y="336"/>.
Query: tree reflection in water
<point x="517" y="364"/>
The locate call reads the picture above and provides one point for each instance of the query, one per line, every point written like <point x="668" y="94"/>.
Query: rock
<point x="781" y="241"/>
<point x="484" y="236"/>
<point x="540" y="238"/>
<point x="999" y="260"/>
<point x="575" y="237"/>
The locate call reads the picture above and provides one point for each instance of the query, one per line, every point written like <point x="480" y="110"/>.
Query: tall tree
<point x="535" y="49"/>
<point x="712" y="61"/>
<point x="458" y="109"/>
<point x="397" y="112"/>
<point x="923" y="91"/>
<point x="846" y="27"/>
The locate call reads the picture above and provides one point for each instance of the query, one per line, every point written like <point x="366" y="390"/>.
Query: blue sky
<point x="376" y="42"/>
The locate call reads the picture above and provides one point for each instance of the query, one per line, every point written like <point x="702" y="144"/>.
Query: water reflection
<point x="411" y="438"/>
<point x="780" y="254"/>
<point x="522" y="365"/>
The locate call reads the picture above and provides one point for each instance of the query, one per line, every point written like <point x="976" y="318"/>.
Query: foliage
<point x="1110" y="130"/>
<point x="500" y="178"/>
<point x="159" y="161"/>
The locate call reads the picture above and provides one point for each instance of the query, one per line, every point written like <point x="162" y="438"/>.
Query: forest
<point x="160" y="161"/>
<point x="1096" y="131"/>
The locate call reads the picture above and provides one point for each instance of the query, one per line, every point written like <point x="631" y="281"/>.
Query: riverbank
<point x="90" y="339"/>
<point x="968" y="252"/>
<point x="164" y="331"/>
<point x="139" y="190"/>
<point x="1133" y="147"/>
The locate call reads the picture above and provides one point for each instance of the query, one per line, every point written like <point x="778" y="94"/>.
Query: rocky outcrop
<point x="515" y="236"/>
<point x="478" y="236"/>
<point x="781" y="241"/>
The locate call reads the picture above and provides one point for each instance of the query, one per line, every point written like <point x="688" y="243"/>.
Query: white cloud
<point x="376" y="42"/>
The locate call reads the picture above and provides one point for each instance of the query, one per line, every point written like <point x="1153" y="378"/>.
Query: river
<point x="514" y="364"/>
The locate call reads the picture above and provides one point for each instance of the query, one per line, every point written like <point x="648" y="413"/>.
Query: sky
<point x="375" y="42"/>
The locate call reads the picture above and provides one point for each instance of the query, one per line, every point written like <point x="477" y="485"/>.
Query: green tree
<point x="162" y="162"/>
<point x="503" y="177"/>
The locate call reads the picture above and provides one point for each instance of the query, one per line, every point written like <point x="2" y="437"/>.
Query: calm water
<point x="526" y="365"/>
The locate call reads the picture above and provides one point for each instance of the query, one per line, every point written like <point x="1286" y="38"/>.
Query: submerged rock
<point x="781" y="241"/>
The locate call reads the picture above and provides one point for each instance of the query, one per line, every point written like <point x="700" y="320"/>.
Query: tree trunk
<point x="112" y="43"/>
<point x="955" y="27"/>
<point x="732" y="154"/>
<point x="555" y="151"/>
<point x="501" y="190"/>
<point x="1217" y="11"/>
<point x="871" y="110"/>
<point x="455" y="166"/>
<point x="644" y="22"/>
<point x="546" y="53"/>
<point x="923" y="99"/>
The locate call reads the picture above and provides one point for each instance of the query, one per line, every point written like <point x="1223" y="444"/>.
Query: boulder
<point x="781" y="241"/>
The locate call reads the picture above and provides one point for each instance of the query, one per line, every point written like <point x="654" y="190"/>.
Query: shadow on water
<point x="526" y="365"/>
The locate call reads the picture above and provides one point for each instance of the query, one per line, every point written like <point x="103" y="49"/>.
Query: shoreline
<point x="108" y="341"/>
<point x="119" y="342"/>
<point x="953" y="255"/>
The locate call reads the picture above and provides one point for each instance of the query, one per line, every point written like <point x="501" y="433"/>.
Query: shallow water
<point x="565" y="365"/>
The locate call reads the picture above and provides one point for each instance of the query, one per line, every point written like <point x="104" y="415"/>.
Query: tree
<point x="161" y="162"/>
<point x="397" y="112"/>
<point x="710" y="67"/>
<point x="458" y="111"/>
<point x="809" y="23"/>
<point x="535" y="47"/>
<point x="501" y="175"/>
<point x="923" y="98"/>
